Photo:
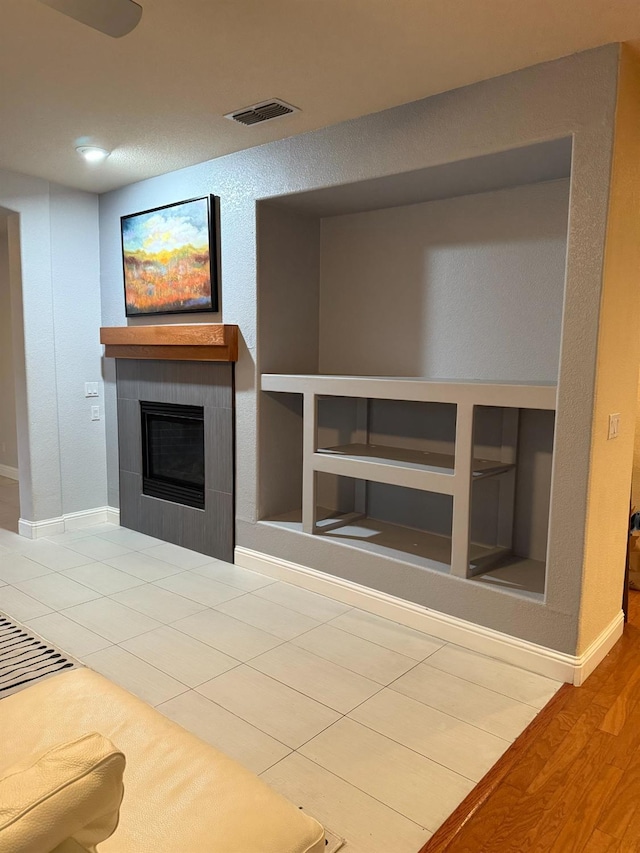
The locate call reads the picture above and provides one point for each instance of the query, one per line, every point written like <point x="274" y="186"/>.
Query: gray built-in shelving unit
<point x="464" y="530"/>
<point x="360" y="446"/>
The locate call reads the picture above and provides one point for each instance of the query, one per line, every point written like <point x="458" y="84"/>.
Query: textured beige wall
<point x="616" y="372"/>
<point x="635" y="480"/>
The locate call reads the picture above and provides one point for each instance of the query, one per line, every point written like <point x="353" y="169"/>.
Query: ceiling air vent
<point x="264" y="111"/>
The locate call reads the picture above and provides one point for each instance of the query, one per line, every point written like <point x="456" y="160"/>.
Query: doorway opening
<point x="9" y="469"/>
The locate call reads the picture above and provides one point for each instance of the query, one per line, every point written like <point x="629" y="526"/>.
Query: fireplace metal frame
<point x="163" y="487"/>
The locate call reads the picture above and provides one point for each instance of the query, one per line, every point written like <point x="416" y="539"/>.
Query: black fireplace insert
<point x="173" y="452"/>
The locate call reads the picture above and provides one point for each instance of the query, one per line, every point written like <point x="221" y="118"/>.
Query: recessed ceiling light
<point x="92" y="153"/>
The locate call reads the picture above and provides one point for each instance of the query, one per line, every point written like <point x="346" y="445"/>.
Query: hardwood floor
<point x="571" y="782"/>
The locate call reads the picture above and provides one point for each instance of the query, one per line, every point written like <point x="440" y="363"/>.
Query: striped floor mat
<point x="26" y="658"/>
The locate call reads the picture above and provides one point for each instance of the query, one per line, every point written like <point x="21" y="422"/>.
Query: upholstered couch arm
<point x="65" y="800"/>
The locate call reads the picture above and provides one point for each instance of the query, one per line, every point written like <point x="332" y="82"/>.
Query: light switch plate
<point x="95" y="413"/>
<point x="614" y="425"/>
<point x="91" y="389"/>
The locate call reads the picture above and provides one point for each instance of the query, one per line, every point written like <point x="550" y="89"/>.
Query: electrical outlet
<point x="95" y="413"/>
<point x="614" y="426"/>
<point x="91" y="389"/>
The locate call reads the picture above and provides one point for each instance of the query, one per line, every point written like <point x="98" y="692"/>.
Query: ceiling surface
<point x="156" y="98"/>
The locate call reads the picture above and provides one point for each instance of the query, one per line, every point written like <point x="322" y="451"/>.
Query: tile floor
<point x="376" y="729"/>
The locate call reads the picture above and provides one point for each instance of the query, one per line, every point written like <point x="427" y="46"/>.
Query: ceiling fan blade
<point x="115" y="18"/>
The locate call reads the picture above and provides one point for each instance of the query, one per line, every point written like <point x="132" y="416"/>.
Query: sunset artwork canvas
<point x="167" y="258"/>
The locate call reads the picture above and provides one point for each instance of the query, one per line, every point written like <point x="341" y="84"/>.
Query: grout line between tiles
<point x="313" y="698"/>
<point x="206" y="680"/>
<point x="490" y="689"/>
<point x="507" y="744"/>
<point x="382" y="646"/>
<point x="253" y="725"/>
<point x="281" y="643"/>
<point x="350" y="784"/>
<point x="358" y="788"/>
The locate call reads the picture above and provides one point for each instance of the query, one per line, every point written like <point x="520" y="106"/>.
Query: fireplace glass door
<point x="173" y="453"/>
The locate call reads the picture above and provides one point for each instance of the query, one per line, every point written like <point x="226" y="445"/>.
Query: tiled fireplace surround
<point x="189" y="383"/>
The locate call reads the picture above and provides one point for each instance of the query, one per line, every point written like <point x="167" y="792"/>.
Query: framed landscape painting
<point x="168" y="256"/>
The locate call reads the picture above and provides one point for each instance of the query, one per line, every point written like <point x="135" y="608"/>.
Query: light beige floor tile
<point x="367" y="825"/>
<point x="97" y="548"/>
<point x="57" y="591"/>
<point x="354" y="653"/>
<point x="160" y="604"/>
<point x="391" y="635"/>
<point x="467" y="750"/>
<point x="67" y="634"/>
<point x="495" y="675"/>
<point x="198" y="588"/>
<point x="111" y="620"/>
<point x="273" y="707"/>
<point x="56" y="557"/>
<point x="13" y="541"/>
<point x="310" y="604"/>
<point x="485" y="709"/>
<point x="20" y="606"/>
<point x="235" y="576"/>
<point x="243" y="742"/>
<point x="103" y="578"/>
<point x="229" y="635"/>
<point x="16" y="567"/>
<point x="417" y="787"/>
<point x="333" y="685"/>
<point x="142" y="566"/>
<point x="70" y="536"/>
<point x="270" y="617"/>
<point x="135" y="675"/>
<point x="100" y="529"/>
<point x="179" y="655"/>
<point x="130" y="539"/>
<point x="177" y="556"/>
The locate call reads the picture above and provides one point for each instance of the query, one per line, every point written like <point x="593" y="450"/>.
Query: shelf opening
<point x="400" y="433"/>
<point x="395" y="521"/>
<point x="510" y="507"/>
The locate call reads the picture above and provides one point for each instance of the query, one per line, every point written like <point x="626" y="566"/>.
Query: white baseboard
<point x="598" y="650"/>
<point x="69" y="521"/>
<point x="38" y="529"/>
<point x="8" y="471"/>
<point x="560" y="666"/>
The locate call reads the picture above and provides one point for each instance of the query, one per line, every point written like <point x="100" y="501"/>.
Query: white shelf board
<point x="510" y="573"/>
<point x="379" y="471"/>
<point x="419" y="547"/>
<point x="525" y="395"/>
<point x="420" y="460"/>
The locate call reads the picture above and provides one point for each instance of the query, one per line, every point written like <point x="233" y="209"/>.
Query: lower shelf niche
<point x="367" y="515"/>
<point x="514" y="573"/>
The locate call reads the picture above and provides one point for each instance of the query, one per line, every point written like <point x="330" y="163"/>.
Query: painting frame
<point x="211" y="304"/>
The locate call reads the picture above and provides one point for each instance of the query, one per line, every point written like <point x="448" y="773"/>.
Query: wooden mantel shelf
<point x="185" y="342"/>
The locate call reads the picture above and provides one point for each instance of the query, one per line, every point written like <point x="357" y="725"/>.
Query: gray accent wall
<point x="572" y="98"/>
<point x="453" y="283"/>
<point x="187" y="383"/>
